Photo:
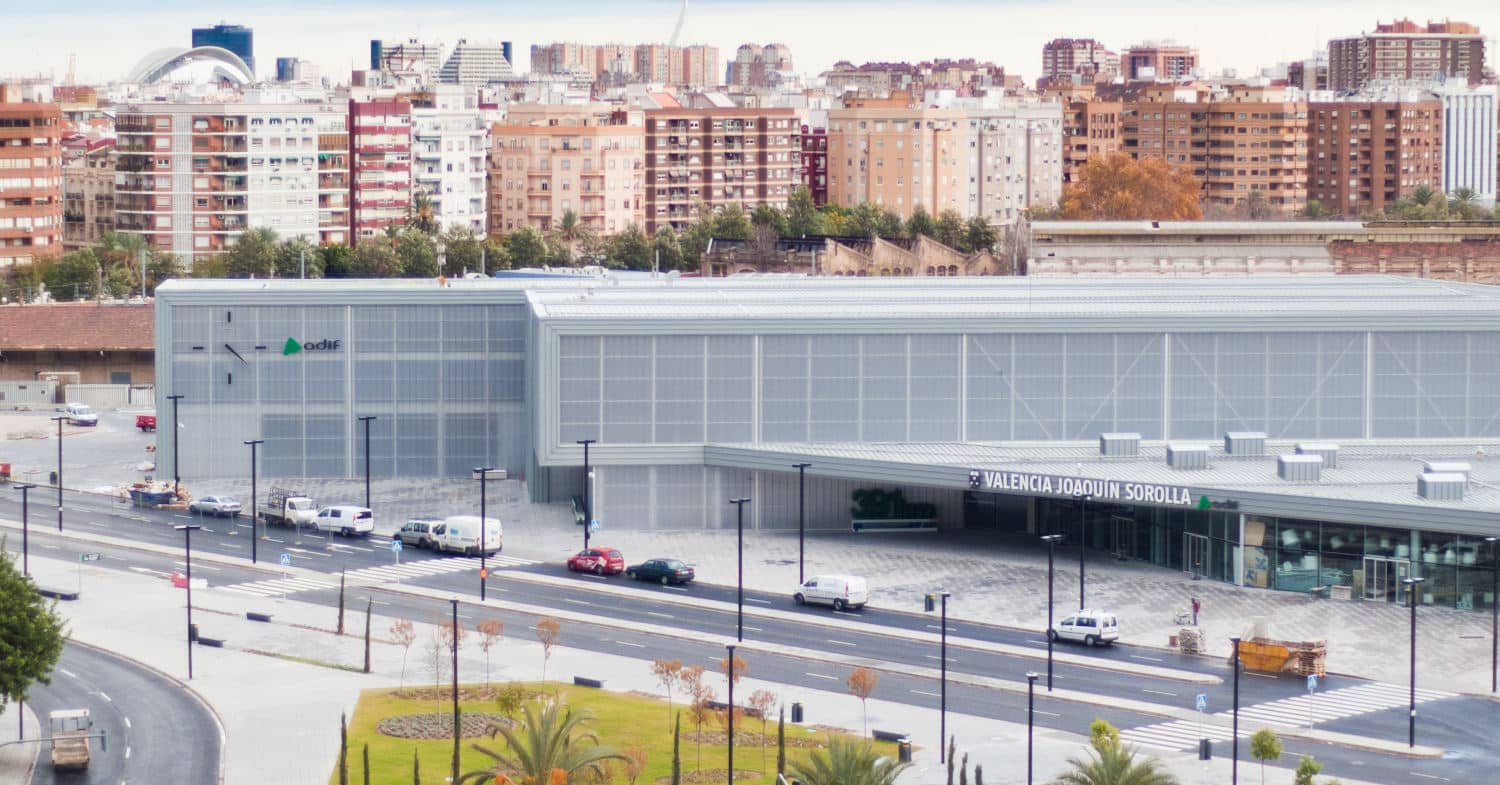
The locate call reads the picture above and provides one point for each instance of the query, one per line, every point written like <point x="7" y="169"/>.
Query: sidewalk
<point x="17" y="760"/>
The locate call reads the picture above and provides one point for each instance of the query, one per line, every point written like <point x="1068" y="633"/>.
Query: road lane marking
<point x="1428" y="776"/>
<point x="676" y="588"/>
<point x="105" y="696"/>
<point x="576" y="602"/>
<point x="127" y="753"/>
<point x="66" y="672"/>
<point x="821" y="676"/>
<point x="1261" y="675"/>
<point x="464" y="616"/>
<point x="1048" y="713"/>
<point x="1149" y="659"/>
<point x="753" y="629"/>
<point x="841" y="643"/>
<point x="660" y="615"/>
<point x="924" y="692"/>
<point x="753" y="599"/>
<point x="230" y="545"/>
<point x="127" y="722"/>
<point x="1159" y="692"/>
<point x="628" y="643"/>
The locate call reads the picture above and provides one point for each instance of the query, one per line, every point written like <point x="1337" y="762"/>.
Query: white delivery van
<point x="347" y="520"/>
<point x="80" y="414"/>
<point x="460" y="534"/>
<point x="840" y="591"/>
<point x="1092" y="627"/>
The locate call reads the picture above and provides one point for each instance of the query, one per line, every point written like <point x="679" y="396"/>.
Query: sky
<point x="109" y="36"/>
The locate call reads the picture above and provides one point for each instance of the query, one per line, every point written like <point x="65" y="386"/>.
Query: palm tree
<point x="1111" y="763"/>
<point x="572" y="232"/>
<point x="549" y="745"/>
<point x="846" y="762"/>
<point x="420" y="215"/>
<point x="1464" y="202"/>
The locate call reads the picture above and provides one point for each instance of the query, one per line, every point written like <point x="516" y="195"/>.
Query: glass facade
<point x="1198" y="542"/>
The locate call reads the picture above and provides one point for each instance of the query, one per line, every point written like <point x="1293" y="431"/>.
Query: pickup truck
<point x="146" y="422"/>
<point x="289" y="508"/>
<point x="71" y="729"/>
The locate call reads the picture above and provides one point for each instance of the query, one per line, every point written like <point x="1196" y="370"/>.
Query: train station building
<point x="1298" y="433"/>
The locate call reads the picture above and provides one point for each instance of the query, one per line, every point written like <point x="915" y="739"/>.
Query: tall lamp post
<point x="1411" y="723"/>
<point x="60" y="420"/>
<point x="1051" y="540"/>
<point x="484" y="481"/>
<point x="1031" y="677"/>
<point x="1083" y="541"/>
<point x="176" y="477"/>
<point x="588" y="479"/>
<point x="801" y="516"/>
<point x="366" y="420"/>
<point x="254" y="512"/>
<point x="1234" y="755"/>
<point x="731" y="671"/>
<point x="25" y="515"/>
<point x="187" y="530"/>
<point x="939" y="600"/>
<point x="456" y="728"/>
<point x="1494" y="611"/>
<point x="739" y="624"/>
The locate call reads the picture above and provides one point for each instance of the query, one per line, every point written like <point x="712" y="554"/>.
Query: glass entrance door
<point x="1122" y="537"/>
<point x="1383" y="579"/>
<point x="1194" y="553"/>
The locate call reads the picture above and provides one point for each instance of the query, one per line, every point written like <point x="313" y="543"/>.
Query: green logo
<point x="293" y="346"/>
<point x="1204" y="503"/>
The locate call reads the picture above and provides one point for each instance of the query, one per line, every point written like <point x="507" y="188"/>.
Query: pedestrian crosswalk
<point x="1303" y="710"/>
<point x="371" y="576"/>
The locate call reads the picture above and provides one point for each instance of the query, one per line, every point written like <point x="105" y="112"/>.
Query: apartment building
<point x="88" y="193"/>
<point x="1367" y="151"/>
<point x="31" y="202"/>
<point x="1091" y="127"/>
<point x="890" y="153"/>
<point x="1469" y="132"/>
<point x="760" y="66"/>
<point x="476" y="63"/>
<point x="1405" y="50"/>
<point x="1015" y="157"/>
<point x="684" y="66"/>
<point x="380" y="175"/>
<point x="1077" y="61"/>
<point x="717" y="156"/>
<point x="546" y="160"/>
<point x="449" y="145"/>
<point x="812" y="171"/>
<point x="1158" y="61"/>
<point x="407" y="56"/>
<point x="1236" y="140"/>
<point x="190" y="178"/>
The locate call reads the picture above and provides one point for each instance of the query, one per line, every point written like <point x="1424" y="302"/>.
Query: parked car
<point x="80" y="414"/>
<point x="215" y="505"/>
<point x="599" y="561"/>
<point x="460" y="534"/>
<point x="664" y="571"/>
<point x="146" y="422"/>
<point x="1092" y="627"/>
<point x="840" y="591"/>
<point x="347" y="520"/>
<point x="418" y="532"/>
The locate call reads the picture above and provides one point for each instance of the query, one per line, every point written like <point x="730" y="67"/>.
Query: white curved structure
<point x="159" y="64"/>
<point x="677" y="30"/>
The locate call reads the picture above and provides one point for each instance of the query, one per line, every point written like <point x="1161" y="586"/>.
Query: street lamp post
<point x="456" y="733"/>
<point x="730" y="669"/>
<point x="1411" y="722"/>
<point x="254" y="511"/>
<point x="1234" y="755"/>
<point x="176" y="477"/>
<point x="801" y="516"/>
<point x="1051" y="540"/>
<point x="931" y="602"/>
<point x="1494" y="611"/>
<point x="187" y="553"/>
<point x="1030" y="718"/>
<point x="484" y="482"/>
<point x="25" y="515"/>
<point x="739" y="624"/>
<point x="588" y="479"/>
<point x="366" y="420"/>
<point x="1083" y="541"/>
<point x="60" y="419"/>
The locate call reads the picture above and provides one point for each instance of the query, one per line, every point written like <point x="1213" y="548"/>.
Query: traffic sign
<point x="1312" y="683"/>
<point x="1202" y="702"/>
<point x="594" y="525"/>
<point x="90" y="556"/>
<point x="286" y="560"/>
<point x="395" y="546"/>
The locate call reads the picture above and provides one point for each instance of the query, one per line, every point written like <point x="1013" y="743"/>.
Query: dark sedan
<point x="664" y="571"/>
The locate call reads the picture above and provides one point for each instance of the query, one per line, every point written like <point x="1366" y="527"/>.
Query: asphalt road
<point x="156" y="731"/>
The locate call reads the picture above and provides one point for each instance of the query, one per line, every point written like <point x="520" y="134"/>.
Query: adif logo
<point x="294" y="346"/>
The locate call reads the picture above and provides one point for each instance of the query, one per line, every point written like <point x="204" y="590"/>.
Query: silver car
<point x="226" y="506"/>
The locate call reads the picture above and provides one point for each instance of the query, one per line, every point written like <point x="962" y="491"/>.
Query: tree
<point x="373" y="259"/>
<point x="571" y="231"/>
<point x="847" y="762"/>
<point x="437" y="658"/>
<point x="292" y="254"/>
<point x="493" y="256"/>
<point x="405" y="634"/>
<point x="369" y="610"/>
<point x="951" y="230"/>
<point x="75" y="276"/>
<point x="340" y="630"/>
<point x="1102" y="734"/>
<point x="335" y="261"/>
<point x="1256" y="206"/>
<point x="861" y="684"/>
<point x="781" y="741"/>
<point x="1315" y="210"/>
<point x="694" y="243"/>
<point x="26" y="280"/>
<point x="1111" y="763"/>
<point x="1264" y="746"/>
<point x="866" y="219"/>
<point x="677" y="751"/>
<point x="762" y="700"/>
<point x="416" y="253"/>
<point x="1307" y="768"/>
<point x="1117" y="187"/>
<point x="667" y="249"/>
<point x="733" y="670"/>
<point x="526" y="247"/>
<point x="509" y="699"/>
<point x="767" y="216"/>
<point x="547" y="631"/>
<point x="921" y="223"/>
<point x="889" y="226"/>
<point x="119" y="281"/>
<point x="343" y="750"/>
<point x="420" y="215"/>
<point x="979" y="235"/>
<point x="551" y="743"/>
<point x="802" y="216"/>
<point x="367" y="763"/>
<point x="667" y="673"/>
<point x="31" y="634"/>
<point x="1464" y="203"/>
<point x="489" y="631"/>
<point x="452" y="637"/>
<point x="416" y="768"/>
<point x="462" y="251"/>
<point x="731" y="223"/>
<point x="630" y="249"/>
<point x="253" y="254"/>
<point x="701" y="708"/>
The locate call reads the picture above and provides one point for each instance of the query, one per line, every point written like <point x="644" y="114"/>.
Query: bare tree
<point x="668" y="673"/>
<point x="436" y="654"/>
<point x="489" y="631"/>
<point x="702" y="710"/>
<point x="547" y="631"/>
<point x="452" y="637"/>
<point x="404" y="633"/>
<point x="762" y="700"/>
<point x="734" y="671"/>
<point x="861" y="684"/>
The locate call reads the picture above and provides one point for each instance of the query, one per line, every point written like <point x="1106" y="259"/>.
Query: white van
<point x="840" y="591"/>
<point x="347" y="520"/>
<point x="1088" y="626"/>
<point x="80" y="414"/>
<point x="460" y="534"/>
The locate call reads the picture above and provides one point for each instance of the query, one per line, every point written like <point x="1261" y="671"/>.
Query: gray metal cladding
<point x="1299" y="468"/>
<point x="1448" y="487"/>
<point x="1243" y="443"/>
<point x="1187" y="456"/>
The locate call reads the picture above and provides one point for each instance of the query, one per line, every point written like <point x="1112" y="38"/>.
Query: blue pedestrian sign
<point x="286" y="560"/>
<point x="395" y="546"/>
<point x="594" y="525"/>
<point x="1312" y="683"/>
<point x="1202" y="702"/>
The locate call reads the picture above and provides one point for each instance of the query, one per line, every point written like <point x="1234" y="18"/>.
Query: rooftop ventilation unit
<point x="1448" y="467"/>
<point x="1187" y="456"/>
<point x="1119" y="445"/>
<point x="1328" y="452"/>
<point x="1441" y="487"/>
<point x="1299" y="468"/>
<point x="1245" y="443"/>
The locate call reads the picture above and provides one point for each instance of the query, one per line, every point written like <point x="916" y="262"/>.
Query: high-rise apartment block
<point x="683" y="66"/>
<point x="88" y="192"/>
<point x="548" y="160"/>
<point x="478" y="63"/>
<point x="897" y="156"/>
<point x="717" y="157"/>
<point x="405" y="57"/>
<point x="812" y="171"/>
<point x="31" y="203"/>
<point x="449" y="143"/>
<point x="1469" y="134"/>
<point x="760" y="66"/>
<point x="1015" y="158"/>
<point x="380" y="176"/>
<point x="235" y="38"/>
<point x="1404" y="50"/>
<point x="1078" y="61"/>
<point x="1091" y="127"/>
<point x="1159" y="61"/>
<point x="1367" y="151"/>
<point x="293" y="69"/>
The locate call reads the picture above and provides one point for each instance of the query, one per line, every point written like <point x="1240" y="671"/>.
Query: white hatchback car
<point x="1090" y="627"/>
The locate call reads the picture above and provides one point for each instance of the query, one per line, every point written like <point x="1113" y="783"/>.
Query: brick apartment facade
<point x="1078" y="61"/>
<point x="1158" y="60"/>
<point x="812" y="170"/>
<point x="718" y="157"/>
<point x="1091" y="127"/>
<point x="1406" y="51"/>
<point x="31" y="197"/>
<point x="1364" y="155"/>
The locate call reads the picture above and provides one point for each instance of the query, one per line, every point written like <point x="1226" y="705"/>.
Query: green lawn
<point x="621" y="720"/>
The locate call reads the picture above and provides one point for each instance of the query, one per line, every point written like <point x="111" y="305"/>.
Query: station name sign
<point x="1060" y="485"/>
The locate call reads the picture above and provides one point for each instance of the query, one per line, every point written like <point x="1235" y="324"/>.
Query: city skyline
<point x="1010" y="34"/>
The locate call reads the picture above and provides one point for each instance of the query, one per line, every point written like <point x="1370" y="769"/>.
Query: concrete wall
<point x="1472" y="262"/>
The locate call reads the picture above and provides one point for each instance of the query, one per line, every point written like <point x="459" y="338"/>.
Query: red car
<point x="599" y="561"/>
<point x="146" y="422"/>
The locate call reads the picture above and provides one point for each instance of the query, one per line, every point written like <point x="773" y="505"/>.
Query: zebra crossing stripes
<point x="370" y="576"/>
<point x="1177" y="735"/>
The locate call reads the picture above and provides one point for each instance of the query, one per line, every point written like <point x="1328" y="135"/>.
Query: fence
<point x="111" y="396"/>
<point x="31" y="394"/>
